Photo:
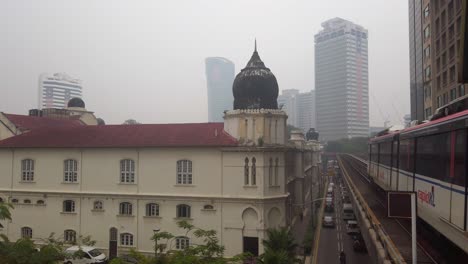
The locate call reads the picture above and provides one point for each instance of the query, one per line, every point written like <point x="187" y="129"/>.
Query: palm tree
<point x="5" y="211"/>
<point x="279" y="247"/>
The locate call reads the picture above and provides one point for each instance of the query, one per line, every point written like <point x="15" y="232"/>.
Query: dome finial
<point x="255" y="44"/>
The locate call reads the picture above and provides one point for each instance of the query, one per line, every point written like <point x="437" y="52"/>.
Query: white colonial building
<point x="118" y="183"/>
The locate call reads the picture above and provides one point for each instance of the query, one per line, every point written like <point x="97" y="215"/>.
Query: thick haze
<point x="145" y="59"/>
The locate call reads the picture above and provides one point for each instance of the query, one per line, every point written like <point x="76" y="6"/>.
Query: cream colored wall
<point x="250" y="125"/>
<point x="218" y="179"/>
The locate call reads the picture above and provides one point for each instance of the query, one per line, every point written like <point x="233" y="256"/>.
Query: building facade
<point x="118" y="183"/>
<point x="341" y="80"/>
<point x="435" y="28"/>
<point x="300" y="108"/>
<point x="219" y="79"/>
<point x="57" y="89"/>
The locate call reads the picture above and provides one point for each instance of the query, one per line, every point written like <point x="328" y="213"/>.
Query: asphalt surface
<point x="333" y="240"/>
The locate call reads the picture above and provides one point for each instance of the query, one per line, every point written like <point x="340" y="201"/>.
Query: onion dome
<point x="76" y="102"/>
<point x="255" y="87"/>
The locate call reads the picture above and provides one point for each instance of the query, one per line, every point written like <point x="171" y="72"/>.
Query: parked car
<point x="88" y="255"/>
<point x="328" y="221"/>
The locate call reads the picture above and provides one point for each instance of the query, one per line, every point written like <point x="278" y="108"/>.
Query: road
<point x="333" y="240"/>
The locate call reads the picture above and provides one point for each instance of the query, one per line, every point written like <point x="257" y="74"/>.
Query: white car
<point x="89" y="255"/>
<point x="328" y="221"/>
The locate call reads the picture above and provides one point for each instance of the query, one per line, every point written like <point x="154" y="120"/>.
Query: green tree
<point x="279" y="247"/>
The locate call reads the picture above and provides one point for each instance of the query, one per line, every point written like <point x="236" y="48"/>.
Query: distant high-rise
<point x="300" y="108"/>
<point x="341" y="80"/>
<point x="434" y="31"/>
<point x="287" y="102"/>
<point x="219" y="78"/>
<point x="306" y="111"/>
<point x="56" y="90"/>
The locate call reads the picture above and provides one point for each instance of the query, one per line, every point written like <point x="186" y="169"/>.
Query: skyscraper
<point x="219" y="79"/>
<point x="57" y="89"/>
<point x="287" y="102"/>
<point x="306" y="111"/>
<point x="434" y="33"/>
<point x="416" y="59"/>
<point x="341" y="80"/>
<point x="300" y="108"/>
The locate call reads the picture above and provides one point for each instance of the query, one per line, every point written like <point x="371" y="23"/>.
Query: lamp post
<point x="155" y="231"/>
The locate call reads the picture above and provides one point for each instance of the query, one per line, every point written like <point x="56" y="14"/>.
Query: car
<point x="358" y="243"/>
<point x="328" y="221"/>
<point x="84" y="255"/>
<point x="352" y="227"/>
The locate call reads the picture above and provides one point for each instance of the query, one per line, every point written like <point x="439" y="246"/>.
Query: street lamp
<point x="155" y="231"/>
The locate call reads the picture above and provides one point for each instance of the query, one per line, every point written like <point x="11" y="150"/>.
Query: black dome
<point x="76" y="102"/>
<point x="255" y="87"/>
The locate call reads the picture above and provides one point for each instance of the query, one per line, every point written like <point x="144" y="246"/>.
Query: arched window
<point x="270" y="173"/>
<point x="27" y="201"/>
<point x="182" y="242"/>
<point x="184" y="172"/>
<point x="246" y="171"/>
<point x="70" y="168"/>
<point x="254" y="171"/>
<point x="152" y="209"/>
<point x="276" y="171"/>
<point x="69" y="236"/>
<point x="97" y="205"/>
<point x="40" y="202"/>
<point x="26" y="232"/>
<point x="127" y="171"/>
<point x="14" y="200"/>
<point x="125" y="208"/>
<point x="68" y="206"/>
<point x="126" y="239"/>
<point x="208" y="207"/>
<point x="183" y="211"/>
<point x="27" y="170"/>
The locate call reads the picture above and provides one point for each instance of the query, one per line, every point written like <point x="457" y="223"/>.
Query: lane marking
<point x="319" y="227"/>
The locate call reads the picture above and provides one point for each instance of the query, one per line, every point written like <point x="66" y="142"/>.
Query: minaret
<point x="256" y="119"/>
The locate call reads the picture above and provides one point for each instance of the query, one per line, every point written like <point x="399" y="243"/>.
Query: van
<point x="348" y="212"/>
<point x="90" y="255"/>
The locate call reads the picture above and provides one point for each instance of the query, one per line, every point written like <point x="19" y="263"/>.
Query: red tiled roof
<point x="148" y="135"/>
<point x="24" y="122"/>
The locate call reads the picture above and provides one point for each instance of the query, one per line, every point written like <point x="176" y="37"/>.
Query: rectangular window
<point x="438" y="102"/>
<point x="426" y="11"/>
<point x="428" y="73"/>
<point x="459" y="157"/>
<point x="461" y="90"/>
<point x="445" y="98"/>
<point x="406" y="158"/>
<point x="433" y="156"/>
<point x="453" y="94"/>
<point x="385" y="153"/>
<point x="427" y="53"/>
<point x="427" y="32"/>
<point x="184" y="172"/>
<point x="27" y="170"/>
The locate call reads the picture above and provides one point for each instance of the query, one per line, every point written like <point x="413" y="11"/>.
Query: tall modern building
<point x="57" y="89"/>
<point x="219" y="79"/>
<point x="435" y="28"/>
<point x="306" y="111"/>
<point x="300" y="108"/>
<point x="287" y="103"/>
<point x="341" y="80"/>
<point x="416" y="59"/>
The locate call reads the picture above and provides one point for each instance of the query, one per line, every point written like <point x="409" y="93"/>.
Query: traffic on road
<point x="340" y="239"/>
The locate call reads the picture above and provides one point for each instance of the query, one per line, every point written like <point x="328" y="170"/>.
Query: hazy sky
<point x="145" y="59"/>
